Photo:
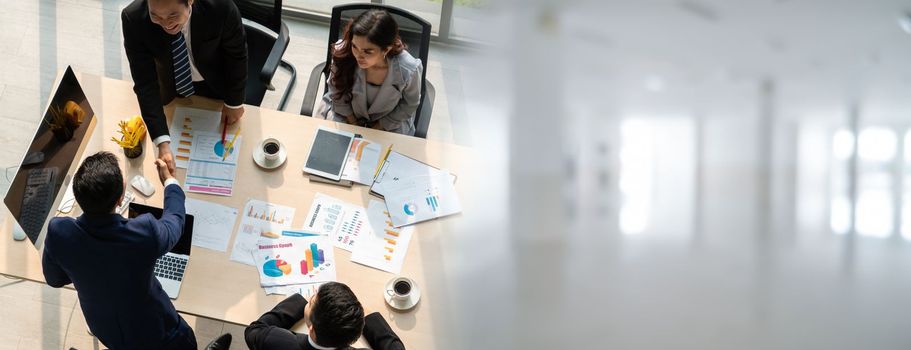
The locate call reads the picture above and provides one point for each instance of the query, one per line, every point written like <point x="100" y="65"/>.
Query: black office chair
<point x="265" y="49"/>
<point x="415" y="33"/>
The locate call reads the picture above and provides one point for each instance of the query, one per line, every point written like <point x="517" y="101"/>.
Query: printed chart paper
<point x="212" y="168"/>
<point x="295" y="260"/>
<point x="259" y="219"/>
<point x="212" y="225"/>
<point x="344" y="223"/>
<point x="385" y="249"/>
<point x="422" y="198"/>
<point x="185" y="122"/>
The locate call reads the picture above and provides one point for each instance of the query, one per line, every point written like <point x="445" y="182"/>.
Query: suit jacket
<point x="271" y="330"/>
<point x="219" y="47"/>
<point x="395" y="104"/>
<point x="110" y="261"/>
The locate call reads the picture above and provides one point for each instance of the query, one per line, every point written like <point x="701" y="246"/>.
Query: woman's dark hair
<point x="380" y="29"/>
<point x="98" y="184"/>
<point x="336" y="315"/>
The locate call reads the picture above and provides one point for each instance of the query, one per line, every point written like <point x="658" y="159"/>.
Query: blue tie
<point x="183" y="80"/>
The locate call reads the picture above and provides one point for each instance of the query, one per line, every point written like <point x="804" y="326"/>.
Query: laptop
<point x="169" y="268"/>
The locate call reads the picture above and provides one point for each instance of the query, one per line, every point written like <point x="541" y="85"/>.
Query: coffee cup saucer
<point x="260" y="158"/>
<point x="402" y="305"/>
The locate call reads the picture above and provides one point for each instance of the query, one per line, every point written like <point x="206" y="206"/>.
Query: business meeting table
<point x="218" y="288"/>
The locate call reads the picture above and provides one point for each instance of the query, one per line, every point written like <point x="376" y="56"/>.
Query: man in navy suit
<point x="335" y="320"/>
<point x="110" y="259"/>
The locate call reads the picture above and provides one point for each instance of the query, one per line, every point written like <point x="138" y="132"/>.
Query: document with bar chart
<point x="345" y="223"/>
<point x="183" y="124"/>
<point x="259" y="219"/>
<point x="386" y="247"/>
<point x="295" y="260"/>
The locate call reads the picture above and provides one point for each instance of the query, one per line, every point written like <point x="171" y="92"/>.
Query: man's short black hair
<point x="185" y="2"/>
<point x="337" y="316"/>
<point x="98" y="183"/>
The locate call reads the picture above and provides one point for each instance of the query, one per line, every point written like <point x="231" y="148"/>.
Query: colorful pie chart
<point x="220" y="149"/>
<point x="276" y="268"/>
<point x="410" y="208"/>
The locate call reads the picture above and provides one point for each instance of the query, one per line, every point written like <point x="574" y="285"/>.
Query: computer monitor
<point x="47" y="165"/>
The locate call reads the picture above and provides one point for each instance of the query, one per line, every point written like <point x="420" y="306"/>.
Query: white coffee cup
<point x="400" y="289"/>
<point x="271" y="148"/>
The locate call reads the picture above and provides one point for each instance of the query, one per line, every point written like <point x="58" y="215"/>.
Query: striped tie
<point x="183" y="80"/>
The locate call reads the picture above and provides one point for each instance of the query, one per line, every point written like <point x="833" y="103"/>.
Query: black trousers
<point x="185" y="338"/>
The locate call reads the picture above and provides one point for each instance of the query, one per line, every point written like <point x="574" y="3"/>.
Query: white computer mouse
<point x="142" y="185"/>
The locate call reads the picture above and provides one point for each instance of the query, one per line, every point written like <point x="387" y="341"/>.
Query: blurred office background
<point x="668" y="174"/>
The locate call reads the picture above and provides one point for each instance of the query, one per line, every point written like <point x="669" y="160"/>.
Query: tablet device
<point x="328" y="153"/>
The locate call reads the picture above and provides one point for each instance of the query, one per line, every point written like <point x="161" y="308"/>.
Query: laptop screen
<point x="186" y="238"/>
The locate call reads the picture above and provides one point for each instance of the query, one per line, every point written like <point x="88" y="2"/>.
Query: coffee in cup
<point x="271" y="148"/>
<point x="400" y="289"/>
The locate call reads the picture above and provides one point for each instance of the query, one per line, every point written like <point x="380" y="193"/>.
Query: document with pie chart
<point x="213" y="164"/>
<point x="422" y="198"/>
<point x="295" y="260"/>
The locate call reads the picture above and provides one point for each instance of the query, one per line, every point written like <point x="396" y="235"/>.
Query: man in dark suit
<point x="179" y="48"/>
<point x="335" y="320"/>
<point x="110" y="259"/>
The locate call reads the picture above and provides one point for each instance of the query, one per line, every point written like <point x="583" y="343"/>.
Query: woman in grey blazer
<point x="373" y="81"/>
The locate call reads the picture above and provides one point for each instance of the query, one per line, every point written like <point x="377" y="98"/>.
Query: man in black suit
<point x="335" y="320"/>
<point x="110" y="259"/>
<point x="180" y="48"/>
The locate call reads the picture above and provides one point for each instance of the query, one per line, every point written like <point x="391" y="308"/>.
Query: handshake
<point x="164" y="171"/>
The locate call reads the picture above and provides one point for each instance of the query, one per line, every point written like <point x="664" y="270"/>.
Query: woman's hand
<point x="350" y="119"/>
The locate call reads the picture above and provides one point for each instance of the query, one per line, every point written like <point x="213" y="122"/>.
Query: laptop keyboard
<point x="170" y="267"/>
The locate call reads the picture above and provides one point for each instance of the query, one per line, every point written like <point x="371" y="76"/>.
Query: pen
<point x="224" y="129"/>
<point x="230" y="146"/>
<point x="382" y="160"/>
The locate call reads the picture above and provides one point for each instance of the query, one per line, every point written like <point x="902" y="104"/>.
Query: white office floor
<point x="38" y="38"/>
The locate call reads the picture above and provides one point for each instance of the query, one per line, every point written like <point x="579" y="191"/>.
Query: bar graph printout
<point x="295" y="260"/>
<point x="258" y="220"/>
<point x="185" y="122"/>
<point x="386" y="247"/>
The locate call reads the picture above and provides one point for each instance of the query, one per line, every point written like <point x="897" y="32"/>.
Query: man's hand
<point x="164" y="154"/>
<point x="163" y="173"/>
<point x="231" y="115"/>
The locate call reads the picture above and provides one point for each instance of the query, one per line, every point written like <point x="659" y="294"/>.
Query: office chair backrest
<point x="414" y="31"/>
<point x="267" y="13"/>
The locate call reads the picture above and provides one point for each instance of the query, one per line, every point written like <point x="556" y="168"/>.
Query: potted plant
<point x="63" y="122"/>
<point x="132" y="132"/>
